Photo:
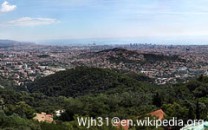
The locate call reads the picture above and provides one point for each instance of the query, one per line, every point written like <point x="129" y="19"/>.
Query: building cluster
<point x="23" y="66"/>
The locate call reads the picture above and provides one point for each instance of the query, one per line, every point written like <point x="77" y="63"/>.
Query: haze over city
<point x="158" y="21"/>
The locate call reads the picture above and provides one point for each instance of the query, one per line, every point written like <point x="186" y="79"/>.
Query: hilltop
<point x="121" y="55"/>
<point x="82" y="81"/>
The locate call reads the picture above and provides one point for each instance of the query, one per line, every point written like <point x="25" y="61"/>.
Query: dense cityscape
<point x="163" y="63"/>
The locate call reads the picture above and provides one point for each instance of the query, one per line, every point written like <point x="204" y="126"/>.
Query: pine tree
<point x="157" y="100"/>
<point x="197" y="110"/>
<point x="191" y="114"/>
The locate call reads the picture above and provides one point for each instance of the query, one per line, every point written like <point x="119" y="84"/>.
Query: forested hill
<point x="7" y="43"/>
<point x="82" y="81"/>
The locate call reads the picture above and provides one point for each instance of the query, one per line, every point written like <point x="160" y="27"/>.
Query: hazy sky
<point x="175" y="20"/>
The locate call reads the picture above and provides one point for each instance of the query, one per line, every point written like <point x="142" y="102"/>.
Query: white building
<point x="201" y="126"/>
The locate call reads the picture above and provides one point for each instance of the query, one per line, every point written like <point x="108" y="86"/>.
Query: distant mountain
<point x="82" y="81"/>
<point x="11" y="43"/>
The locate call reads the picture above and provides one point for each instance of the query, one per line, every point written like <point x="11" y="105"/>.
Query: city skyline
<point x="148" y="21"/>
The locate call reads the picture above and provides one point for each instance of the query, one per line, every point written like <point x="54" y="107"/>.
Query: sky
<point x="145" y="20"/>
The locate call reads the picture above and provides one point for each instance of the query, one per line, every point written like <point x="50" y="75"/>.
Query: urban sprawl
<point x="163" y="63"/>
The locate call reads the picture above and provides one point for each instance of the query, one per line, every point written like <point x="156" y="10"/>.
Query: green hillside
<point x="92" y="92"/>
<point x="82" y="81"/>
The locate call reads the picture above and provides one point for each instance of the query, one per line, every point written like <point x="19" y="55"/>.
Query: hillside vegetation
<point x="104" y="93"/>
<point x="82" y="81"/>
